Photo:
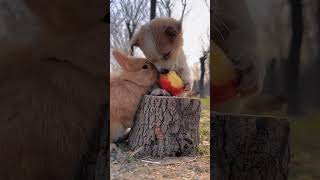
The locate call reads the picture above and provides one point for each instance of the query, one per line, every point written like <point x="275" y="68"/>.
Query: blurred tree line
<point x="289" y="44"/>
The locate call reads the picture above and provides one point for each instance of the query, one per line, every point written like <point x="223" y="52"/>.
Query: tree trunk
<point x="131" y="27"/>
<point x="249" y="147"/>
<point x="271" y="80"/>
<point x="153" y="8"/>
<point x="201" y="82"/>
<point x="166" y="126"/>
<point x="318" y="57"/>
<point x="293" y="66"/>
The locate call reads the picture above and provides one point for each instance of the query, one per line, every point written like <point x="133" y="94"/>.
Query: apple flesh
<point x="225" y="79"/>
<point x="172" y="83"/>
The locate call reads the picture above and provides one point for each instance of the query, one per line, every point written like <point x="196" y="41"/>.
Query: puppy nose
<point x="164" y="71"/>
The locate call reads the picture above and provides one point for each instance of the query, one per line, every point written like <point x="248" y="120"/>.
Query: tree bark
<point x="203" y="70"/>
<point x="249" y="147"/>
<point x="318" y="56"/>
<point x="166" y="126"/>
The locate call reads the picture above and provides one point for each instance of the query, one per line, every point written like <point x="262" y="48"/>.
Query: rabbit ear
<point x="122" y="59"/>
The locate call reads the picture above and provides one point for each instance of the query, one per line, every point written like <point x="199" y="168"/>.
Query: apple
<point x="172" y="83"/>
<point x="223" y="93"/>
<point x="225" y="79"/>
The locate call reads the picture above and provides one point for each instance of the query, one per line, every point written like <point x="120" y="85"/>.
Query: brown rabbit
<point x="126" y="91"/>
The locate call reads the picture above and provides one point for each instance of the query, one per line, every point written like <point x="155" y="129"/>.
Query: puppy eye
<point x="171" y="32"/>
<point x="166" y="55"/>
<point x="144" y="67"/>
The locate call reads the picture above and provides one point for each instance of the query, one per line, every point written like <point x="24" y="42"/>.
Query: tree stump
<point x="249" y="147"/>
<point x="165" y="126"/>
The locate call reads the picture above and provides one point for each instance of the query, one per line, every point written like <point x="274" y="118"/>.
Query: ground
<point x="304" y="163"/>
<point x="196" y="167"/>
<point x="305" y="147"/>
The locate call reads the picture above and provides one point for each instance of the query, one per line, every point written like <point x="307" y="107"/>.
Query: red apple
<point x="172" y="83"/>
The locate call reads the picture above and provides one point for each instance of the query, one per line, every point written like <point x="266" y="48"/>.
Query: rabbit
<point x="126" y="90"/>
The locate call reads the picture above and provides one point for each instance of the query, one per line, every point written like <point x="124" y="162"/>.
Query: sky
<point x="196" y="27"/>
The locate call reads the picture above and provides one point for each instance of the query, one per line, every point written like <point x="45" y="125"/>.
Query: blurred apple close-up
<point x="225" y="80"/>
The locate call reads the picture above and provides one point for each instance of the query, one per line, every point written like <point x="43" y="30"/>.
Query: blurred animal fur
<point x="51" y="90"/>
<point x="234" y="31"/>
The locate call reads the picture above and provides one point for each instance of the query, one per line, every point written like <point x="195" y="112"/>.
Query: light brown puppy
<point x="51" y="88"/>
<point x="126" y="90"/>
<point x="161" y="41"/>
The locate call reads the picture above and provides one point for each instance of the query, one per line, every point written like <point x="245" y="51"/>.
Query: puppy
<point x="161" y="42"/>
<point x="234" y="31"/>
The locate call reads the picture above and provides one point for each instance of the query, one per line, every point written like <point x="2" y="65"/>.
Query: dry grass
<point x="305" y="147"/>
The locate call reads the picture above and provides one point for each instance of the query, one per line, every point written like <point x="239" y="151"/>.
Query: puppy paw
<point x="179" y="70"/>
<point x="251" y="81"/>
<point x="159" y="92"/>
<point x="187" y="86"/>
<point x="185" y="78"/>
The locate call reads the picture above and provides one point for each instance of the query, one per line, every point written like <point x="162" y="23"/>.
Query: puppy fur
<point x="161" y="41"/>
<point x="234" y="31"/>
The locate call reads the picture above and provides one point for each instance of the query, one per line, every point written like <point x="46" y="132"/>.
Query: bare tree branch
<point x="125" y="18"/>
<point x="153" y="9"/>
<point x="167" y="5"/>
<point x="184" y="5"/>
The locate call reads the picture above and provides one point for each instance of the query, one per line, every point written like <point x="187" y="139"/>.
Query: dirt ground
<point x="168" y="168"/>
<point x="125" y="167"/>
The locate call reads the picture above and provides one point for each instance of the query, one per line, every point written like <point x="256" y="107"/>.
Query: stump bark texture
<point x="165" y="126"/>
<point x="249" y="147"/>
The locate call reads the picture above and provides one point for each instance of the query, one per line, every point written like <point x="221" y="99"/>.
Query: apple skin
<point x="223" y="93"/>
<point x="225" y="79"/>
<point x="172" y="83"/>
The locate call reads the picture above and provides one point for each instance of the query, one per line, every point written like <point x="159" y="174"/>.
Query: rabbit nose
<point x="164" y="71"/>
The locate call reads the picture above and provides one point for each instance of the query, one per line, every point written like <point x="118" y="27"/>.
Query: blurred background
<point x="289" y="39"/>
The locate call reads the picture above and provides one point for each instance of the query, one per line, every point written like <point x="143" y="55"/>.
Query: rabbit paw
<point x="115" y="152"/>
<point x="159" y="92"/>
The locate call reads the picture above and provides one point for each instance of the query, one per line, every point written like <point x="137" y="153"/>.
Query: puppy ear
<point x="173" y="30"/>
<point x="122" y="59"/>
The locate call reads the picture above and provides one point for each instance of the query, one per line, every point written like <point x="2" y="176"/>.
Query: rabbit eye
<point x="144" y="67"/>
